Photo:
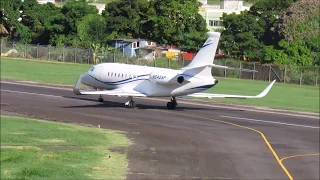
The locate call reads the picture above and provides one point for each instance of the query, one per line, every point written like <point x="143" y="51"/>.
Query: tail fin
<point x="205" y="55"/>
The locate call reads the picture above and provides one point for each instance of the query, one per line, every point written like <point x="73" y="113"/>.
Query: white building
<point x="213" y="13"/>
<point x="46" y="1"/>
<point x="100" y="7"/>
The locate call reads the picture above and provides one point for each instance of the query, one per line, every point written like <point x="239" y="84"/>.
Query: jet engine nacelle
<point x="166" y="77"/>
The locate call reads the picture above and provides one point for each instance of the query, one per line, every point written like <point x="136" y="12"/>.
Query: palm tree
<point x="3" y="31"/>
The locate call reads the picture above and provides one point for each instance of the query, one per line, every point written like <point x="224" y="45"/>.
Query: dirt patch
<point x="121" y="150"/>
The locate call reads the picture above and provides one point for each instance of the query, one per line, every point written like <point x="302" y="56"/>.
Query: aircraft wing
<point x="114" y="92"/>
<point x="209" y="95"/>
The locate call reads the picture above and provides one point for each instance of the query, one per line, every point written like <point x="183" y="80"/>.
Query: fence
<point x="285" y="74"/>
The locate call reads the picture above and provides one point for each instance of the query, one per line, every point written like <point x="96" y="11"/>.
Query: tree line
<point x="77" y="23"/>
<point x="272" y="31"/>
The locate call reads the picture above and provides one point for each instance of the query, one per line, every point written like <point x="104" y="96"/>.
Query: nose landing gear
<point x="100" y="99"/>
<point x="172" y="104"/>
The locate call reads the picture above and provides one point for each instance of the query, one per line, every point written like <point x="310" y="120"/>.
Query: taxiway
<point x="193" y="141"/>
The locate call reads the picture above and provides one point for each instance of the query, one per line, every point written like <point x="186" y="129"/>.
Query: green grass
<point x="42" y="71"/>
<point x="284" y="96"/>
<point x="23" y="155"/>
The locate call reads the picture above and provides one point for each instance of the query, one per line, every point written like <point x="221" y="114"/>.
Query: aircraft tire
<point x="170" y="105"/>
<point x="100" y="99"/>
<point x="132" y="104"/>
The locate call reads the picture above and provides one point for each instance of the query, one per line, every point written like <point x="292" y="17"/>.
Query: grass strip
<point x="283" y="96"/>
<point x="36" y="149"/>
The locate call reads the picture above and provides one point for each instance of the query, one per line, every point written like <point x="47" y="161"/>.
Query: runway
<point x="194" y="141"/>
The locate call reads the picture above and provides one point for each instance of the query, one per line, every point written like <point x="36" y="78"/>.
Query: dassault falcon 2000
<point x="142" y="81"/>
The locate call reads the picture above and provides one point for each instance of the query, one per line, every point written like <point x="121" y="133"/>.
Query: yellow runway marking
<point x="299" y="155"/>
<point x="245" y="127"/>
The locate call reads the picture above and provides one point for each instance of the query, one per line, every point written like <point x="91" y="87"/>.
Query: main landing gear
<point x="130" y="103"/>
<point x="172" y="104"/>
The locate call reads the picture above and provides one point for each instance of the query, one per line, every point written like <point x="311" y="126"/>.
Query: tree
<point x="299" y="54"/>
<point x="126" y="17"/>
<point x="179" y="23"/>
<point x="74" y="11"/>
<point x="260" y="35"/>
<point x="241" y="35"/>
<point x="91" y="29"/>
<point x="166" y="22"/>
<point x="38" y="18"/>
<point x="55" y="28"/>
<point x="300" y="22"/>
<point x="9" y="14"/>
<point x="268" y="12"/>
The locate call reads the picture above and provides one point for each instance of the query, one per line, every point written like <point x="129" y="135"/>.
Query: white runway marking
<point x="21" y="92"/>
<point x="271" y="122"/>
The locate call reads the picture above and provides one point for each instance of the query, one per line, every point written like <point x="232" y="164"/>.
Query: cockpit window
<point x="92" y="69"/>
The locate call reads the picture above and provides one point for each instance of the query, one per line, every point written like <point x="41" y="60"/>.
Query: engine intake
<point x="180" y="79"/>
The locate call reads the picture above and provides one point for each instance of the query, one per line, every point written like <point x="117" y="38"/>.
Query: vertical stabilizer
<point x="205" y="55"/>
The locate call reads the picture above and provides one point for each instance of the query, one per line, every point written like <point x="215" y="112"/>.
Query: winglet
<point x="266" y="90"/>
<point x="76" y="88"/>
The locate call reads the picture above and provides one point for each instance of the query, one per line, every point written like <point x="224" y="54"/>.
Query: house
<point x="213" y="13"/>
<point x="100" y="7"/>
<point x="151" y="52"/>
<point x="129" y="46"/>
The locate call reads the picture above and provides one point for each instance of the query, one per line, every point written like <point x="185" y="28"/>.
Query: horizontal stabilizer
<point x="233" y="68"/>
<point x="208" y="95"/>
<point x="219" y="66"/>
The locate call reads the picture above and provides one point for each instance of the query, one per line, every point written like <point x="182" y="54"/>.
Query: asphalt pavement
<point x="194" y="141"/>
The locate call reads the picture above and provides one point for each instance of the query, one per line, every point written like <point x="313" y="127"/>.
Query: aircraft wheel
<point x="171" y="105"/>
<point x="100" y="99"/>
<point x="131" y="104"/>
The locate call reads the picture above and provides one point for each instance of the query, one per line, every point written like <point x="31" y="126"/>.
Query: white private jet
<point x="143" y="81"/>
